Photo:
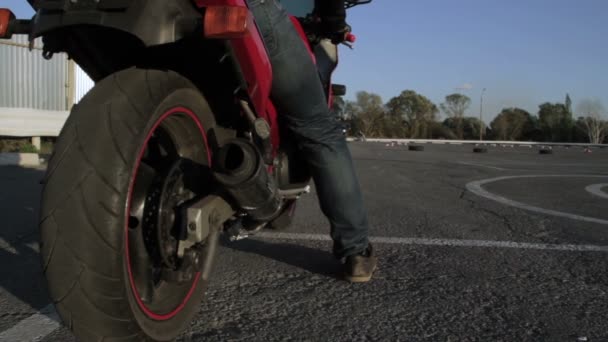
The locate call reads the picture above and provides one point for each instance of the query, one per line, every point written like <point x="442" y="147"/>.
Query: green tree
<point x="454" y="107"/>
<point x="338" y="107"/>
<point x="470" y="127"/>
<point x="592" y="120"/>
<point x="513" y="124"/>
<point x="415" y="110"/>
<point x="555" y="121"/>
<point x="440" y="131"/>
<point x="568" y="104"/>
<point x="368" y="115"/>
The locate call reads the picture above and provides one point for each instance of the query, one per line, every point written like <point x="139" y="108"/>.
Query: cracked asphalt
<point x="288" y="290"/>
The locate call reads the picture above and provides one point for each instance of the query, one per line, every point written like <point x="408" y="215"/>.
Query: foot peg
<point x="237" y="231"/>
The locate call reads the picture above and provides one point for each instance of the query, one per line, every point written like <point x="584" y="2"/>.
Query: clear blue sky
<point x="524" y="52"/>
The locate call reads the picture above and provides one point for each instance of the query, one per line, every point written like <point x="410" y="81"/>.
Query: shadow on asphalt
<point x="20" y="264"/>
<point x="310" y="259"/>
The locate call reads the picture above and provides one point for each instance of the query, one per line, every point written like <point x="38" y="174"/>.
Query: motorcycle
<point x="177" y="142"/>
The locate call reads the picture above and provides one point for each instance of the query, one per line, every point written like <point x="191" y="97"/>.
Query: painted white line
<point x="481" y="165"/>
<point x="596" y="189"/>
<point x="37" y="326"/>
<point x="34" y="246"/>
<point x="7" y="247"/>
<point x="443" y="242"/>
<point x="33" y="328"/>
<point x="477" y="188"/>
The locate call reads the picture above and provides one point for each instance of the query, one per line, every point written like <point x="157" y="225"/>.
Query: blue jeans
<point x="300" y="100"/>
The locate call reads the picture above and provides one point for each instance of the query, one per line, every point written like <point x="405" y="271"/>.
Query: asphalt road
<point x="520" y="256"/>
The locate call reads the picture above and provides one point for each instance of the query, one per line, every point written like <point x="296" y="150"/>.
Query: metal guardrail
<point x="475" y="142"/>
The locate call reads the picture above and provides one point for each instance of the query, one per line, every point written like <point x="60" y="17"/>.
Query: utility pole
<point x="481" y="125"/>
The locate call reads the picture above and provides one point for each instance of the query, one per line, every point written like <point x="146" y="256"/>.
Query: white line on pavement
<point x="33" y="328"/>
<point x="4" y="245"/>
<point x="444" y="242"/>
<point x="34" y="246"/>
<point x="39" y="325"/>
<point x="596" y="189"/>
<point x="481" y="165"/>
<point x="477" y="188"/>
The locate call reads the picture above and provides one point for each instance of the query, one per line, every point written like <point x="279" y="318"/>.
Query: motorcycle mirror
<point x="353" y="3"/>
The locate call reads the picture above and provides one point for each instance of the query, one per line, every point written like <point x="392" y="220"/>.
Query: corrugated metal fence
<point x="27" y="80"/>
<point x="82" y="84"/>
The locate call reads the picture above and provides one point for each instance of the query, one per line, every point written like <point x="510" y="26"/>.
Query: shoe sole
<point x="360" y="279"/>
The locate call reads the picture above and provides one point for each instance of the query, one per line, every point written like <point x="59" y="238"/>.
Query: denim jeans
<point x="302" y="106"/>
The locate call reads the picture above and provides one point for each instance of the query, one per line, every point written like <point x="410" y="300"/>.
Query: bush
<point x="28" y="148"/>
<point x="17" y="145"/>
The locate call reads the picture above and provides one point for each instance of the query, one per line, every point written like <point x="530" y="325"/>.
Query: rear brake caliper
<point x="202" y="219"/>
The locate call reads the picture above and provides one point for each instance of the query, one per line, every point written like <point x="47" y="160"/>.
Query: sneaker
<point x="359" y="268"/>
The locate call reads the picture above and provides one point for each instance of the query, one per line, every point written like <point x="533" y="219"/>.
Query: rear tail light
<point x="5" y="19"/>
<point x="227" y="22"/>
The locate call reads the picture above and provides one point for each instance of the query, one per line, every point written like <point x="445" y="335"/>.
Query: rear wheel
<point x="131" y="156"/>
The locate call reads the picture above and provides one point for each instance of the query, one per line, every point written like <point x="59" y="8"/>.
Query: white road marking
<point x="476" y="188"/>
<point x="37" y="326"/>
<point x="443" y="242"/>
<point x="33" y="328"/>
<point x="7" y="247"/>
<point x="481" y="165"/>
<point x="596" y="189"/>
<point x="34" y="246"/>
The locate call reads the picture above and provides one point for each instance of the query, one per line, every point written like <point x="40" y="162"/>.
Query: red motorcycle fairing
<point x="252" y="56"/>
<point x="250" y="53"/>
<point x="302" y="33"/>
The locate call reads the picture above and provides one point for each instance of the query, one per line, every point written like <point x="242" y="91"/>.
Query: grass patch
<point x="24" y="145"/>
<point x="28" y="148"/>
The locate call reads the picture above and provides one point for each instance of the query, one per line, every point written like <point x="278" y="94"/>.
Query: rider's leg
<point x="300" y="100"/>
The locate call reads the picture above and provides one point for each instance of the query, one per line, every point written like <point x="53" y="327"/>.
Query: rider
<point x="300" y="99"/>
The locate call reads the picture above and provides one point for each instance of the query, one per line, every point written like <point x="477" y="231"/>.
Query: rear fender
<point x="152" y="22"/>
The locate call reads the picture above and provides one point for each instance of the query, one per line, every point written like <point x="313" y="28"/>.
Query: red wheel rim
<point x="144" y="308"/>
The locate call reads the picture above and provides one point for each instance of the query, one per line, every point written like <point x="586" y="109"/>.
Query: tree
<point x="592" y="121"/>
<point x="555" y="122"/>
<point x="367" y="114"/>
<point x="568" y="104"/>
<point x="440" y="131"/>
<point x="513" y="124"/>
<point x="470" y="127"/>
<point x="454" y="107"/>
<point x="415" y="110"/>
<point x="338" y="107"/>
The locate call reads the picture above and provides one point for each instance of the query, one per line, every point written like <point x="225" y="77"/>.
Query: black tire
<point x="480" y="150"/>
<point x="545" y="151"/>
<point x="415" y="147"/>
<point x="88" y="184"/>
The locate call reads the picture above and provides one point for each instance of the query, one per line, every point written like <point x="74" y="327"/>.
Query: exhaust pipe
<point x="239" y="167"/>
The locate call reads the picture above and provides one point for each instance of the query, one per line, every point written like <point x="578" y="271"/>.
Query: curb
<point x="20" y="159"/>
